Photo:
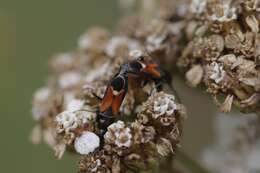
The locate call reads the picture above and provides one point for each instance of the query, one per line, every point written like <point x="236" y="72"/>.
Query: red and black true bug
<point x="112" y="100"/>
<point x="139" y="70"/>
<point x="149" y="71"/>
<point x="145" y="70"/>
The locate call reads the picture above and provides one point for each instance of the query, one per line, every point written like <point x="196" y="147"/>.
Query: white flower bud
<point x="86" y="143"/>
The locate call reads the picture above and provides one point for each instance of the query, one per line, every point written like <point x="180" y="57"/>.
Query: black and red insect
<point x="112" y="100"/>
<point x="140" y="71"/>
<point x="148" y="71"/>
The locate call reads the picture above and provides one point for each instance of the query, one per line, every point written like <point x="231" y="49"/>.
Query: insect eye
<point x="136" y="66"/>
<point x="118" y="83"/>
<point x="141" y="58"/>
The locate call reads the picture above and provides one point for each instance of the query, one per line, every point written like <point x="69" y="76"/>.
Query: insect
<point x="112" y="100"/>
<point x="140" y="70"/>
<point x="148" y="71"/>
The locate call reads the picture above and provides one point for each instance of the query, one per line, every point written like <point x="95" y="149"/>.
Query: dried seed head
<point x="198" y="6"/>
<point x="142" y="134"/>
<point x="118" y="134"/>
<point x="164" y="105"/>
<point x="68" y="121"/>
<point x="226" y="48"/>
<point x="223" y="13"/>
<point x="95" y="163"/>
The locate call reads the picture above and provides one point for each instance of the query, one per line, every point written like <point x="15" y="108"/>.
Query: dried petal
<point x="194" y="75"/>
<point x="164" y="147"/>
<point x="226" y="106"/>
<point x="59" y="150"/>
<point x="36" y="135"/>
<point x="232" y="41"/>
<point x="228" y="59"/>
<point x="253" y="23"/>
<point x="254" y="99"/>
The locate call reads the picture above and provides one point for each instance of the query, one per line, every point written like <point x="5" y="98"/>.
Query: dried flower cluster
<point x="148" y="131"/>
<point x="222" y="51"/>
<point x="215" y="42"/>
<point x="141" y="144"/>
<point x="149" y="127"/>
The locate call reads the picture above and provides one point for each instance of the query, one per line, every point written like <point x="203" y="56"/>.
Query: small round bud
<point x="86" y="143"/>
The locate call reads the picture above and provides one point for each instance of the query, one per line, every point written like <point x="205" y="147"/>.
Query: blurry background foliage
<point x="30" y="32"/>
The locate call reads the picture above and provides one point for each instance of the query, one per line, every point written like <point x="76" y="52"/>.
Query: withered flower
<point x="227" y="50"/>
<point x="150" y="124"/>
<point x="215" y="43"/>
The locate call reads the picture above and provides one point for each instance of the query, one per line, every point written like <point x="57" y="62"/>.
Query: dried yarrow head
<point x="65" y="111"/>
<point x="222" y="51"/>
<point x="153" y="135"/>
<point x="150" y="124"/>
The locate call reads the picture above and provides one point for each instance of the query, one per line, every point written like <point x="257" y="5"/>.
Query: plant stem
<point x="190" y="163"/>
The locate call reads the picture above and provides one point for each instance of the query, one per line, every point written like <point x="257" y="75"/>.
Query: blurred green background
<point x="30" y="32"/>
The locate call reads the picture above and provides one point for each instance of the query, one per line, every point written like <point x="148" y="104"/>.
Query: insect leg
<point x="95" y="95"/>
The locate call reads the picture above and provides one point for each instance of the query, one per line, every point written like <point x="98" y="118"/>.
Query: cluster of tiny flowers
<point x="216" y="43"/>
<point x="149" y="126"/>
<point x="119" y="135"/>
<point x="132" y="144"/>
<point x="165" y="105"/>
<point x="222" y="51"/>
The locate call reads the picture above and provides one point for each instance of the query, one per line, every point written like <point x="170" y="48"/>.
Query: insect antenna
<point x="95" y="95"/>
